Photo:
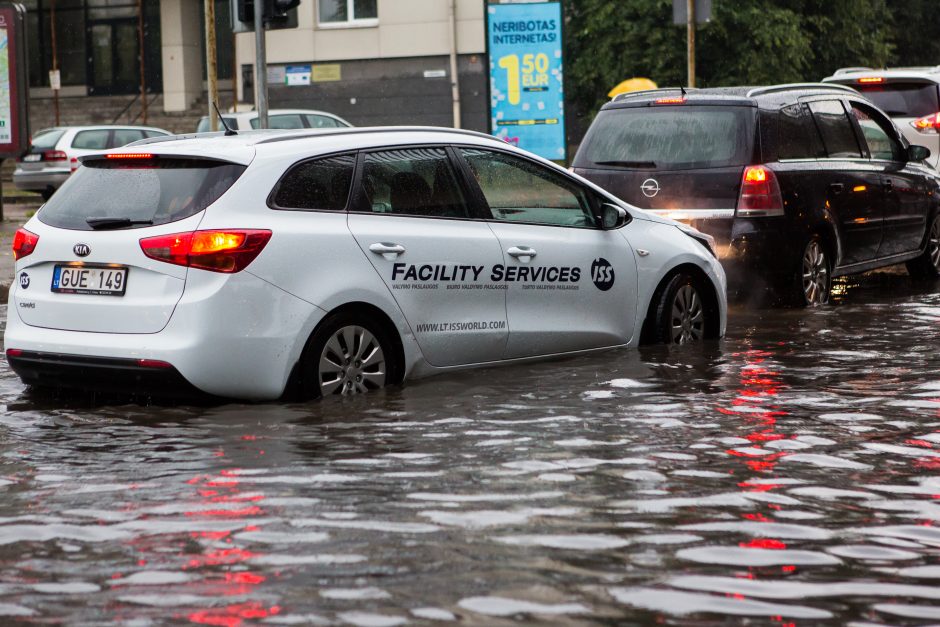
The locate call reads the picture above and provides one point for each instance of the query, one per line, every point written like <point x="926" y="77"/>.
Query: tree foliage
<point x="747" y="42"/>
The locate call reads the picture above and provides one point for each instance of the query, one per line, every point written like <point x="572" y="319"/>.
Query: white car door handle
<point x="389" y="251"/>
<point x="522" y="253"/>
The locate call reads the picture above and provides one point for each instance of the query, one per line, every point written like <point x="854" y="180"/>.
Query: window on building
<point x="348" y="12"/>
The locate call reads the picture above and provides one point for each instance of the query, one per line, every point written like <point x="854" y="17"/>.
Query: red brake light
<point x="227" y="251"/>
<point x="130" y="155"/>
<point x="153" y="363"/>
<point x="928" y="124"/>
<point x="54" y="155"/>
<point x="871" y="79"/>
<point x="24" y="243"/>
<point x="760" y="193"/>
<point x="669" y="101"/>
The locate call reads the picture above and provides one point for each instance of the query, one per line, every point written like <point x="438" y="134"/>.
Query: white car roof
<point x="288" y="144"/>
<point x="925" y="73"/>
<point x="254" y="114"/>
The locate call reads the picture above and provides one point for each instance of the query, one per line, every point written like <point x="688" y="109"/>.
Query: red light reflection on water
<point x="234" y="615"/>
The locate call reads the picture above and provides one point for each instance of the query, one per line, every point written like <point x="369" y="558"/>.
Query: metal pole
<point x="211" y="70"/>
<point x="55" y="60"/>
<point x="234" y="72"/>
<point x="140" y="52"/>
<point x="454" y="75"/>
<point x="261" y="68"/>
<point x="690" y="29"/>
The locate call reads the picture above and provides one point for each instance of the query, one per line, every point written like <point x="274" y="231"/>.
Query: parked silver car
<point x="53" y="153"/>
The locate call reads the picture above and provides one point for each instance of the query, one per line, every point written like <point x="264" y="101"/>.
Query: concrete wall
<point x="382" y="65"/>
<point x="395" y="92"/>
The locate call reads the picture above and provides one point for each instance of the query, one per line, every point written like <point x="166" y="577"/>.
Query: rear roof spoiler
<point x="647" y="92"/>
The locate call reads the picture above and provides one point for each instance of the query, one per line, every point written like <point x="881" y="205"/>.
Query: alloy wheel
<point x="352" y="362"/>
<point x="688" y="316"/>
<point x="933" y="243"/>
<point x="815" y="274"/>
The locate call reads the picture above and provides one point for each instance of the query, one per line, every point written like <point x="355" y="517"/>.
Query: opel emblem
<point x="650" y="187"/>
<point x="83" y="250"/>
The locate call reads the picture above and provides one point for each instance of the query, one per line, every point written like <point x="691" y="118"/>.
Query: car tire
<point x="348" y="354"/>
<point x="812" y="284"/>
<point x="47" y="194"/>
<point x="927" y="266"/>
<point x="682" y="314"/>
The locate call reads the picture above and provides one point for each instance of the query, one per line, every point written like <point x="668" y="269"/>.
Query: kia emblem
<point x="650" y="187"/>
<point x="81" y="250"/>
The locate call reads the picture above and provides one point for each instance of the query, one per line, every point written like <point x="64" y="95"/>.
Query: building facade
<point x="369" y="61"/>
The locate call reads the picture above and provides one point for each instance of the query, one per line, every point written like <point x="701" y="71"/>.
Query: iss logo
<point x="602" y="273"/>
<point x="24" y="280"/>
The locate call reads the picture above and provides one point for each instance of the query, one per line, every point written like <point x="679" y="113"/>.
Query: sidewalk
<point x="14" y="215"/>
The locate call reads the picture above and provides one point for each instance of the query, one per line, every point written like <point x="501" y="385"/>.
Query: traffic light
<point x="279" y="12"/>
<point x="275" y="14"/>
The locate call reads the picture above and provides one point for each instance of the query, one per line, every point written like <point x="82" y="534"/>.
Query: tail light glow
<point x="669" y="101"/>
<point x="228" y="251"/>
<point x="54" y="155"/>
<point x="129" y="155"/>
<point x="760" y="193"/>
<point x="868" y="80"/>
<point x="14" y="352"/>
<point x="928" y="123"/>
<point x="24" y="243"/>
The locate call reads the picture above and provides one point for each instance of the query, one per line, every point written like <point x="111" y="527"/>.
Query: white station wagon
<point x="338" y="262"/>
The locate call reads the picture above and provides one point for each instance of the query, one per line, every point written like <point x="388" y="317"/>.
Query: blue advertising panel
<point x="527" y="101"/>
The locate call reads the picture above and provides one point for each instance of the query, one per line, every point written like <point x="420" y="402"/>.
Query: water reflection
<point x="787" y="474"/>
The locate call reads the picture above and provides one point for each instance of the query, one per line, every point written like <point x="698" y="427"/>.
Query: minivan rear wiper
<point x="101" y="224"/>
<point x="628" y="164"/>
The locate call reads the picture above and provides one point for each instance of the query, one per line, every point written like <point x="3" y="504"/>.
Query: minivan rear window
<point x="677" y="137"/>
<point x="137" y="194"/>
<point x="911" y="100"/>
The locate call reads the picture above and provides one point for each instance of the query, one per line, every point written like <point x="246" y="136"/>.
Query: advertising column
<point x="14" y="114"/>
<point x="527" y="101"/>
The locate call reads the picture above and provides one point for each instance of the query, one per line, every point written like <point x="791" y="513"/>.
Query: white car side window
<point x="517" y="190"/>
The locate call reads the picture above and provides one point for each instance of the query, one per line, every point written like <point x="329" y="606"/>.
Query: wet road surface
<point x="787" y="475"/>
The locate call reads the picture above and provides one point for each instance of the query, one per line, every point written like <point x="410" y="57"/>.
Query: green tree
<point x="747" y="42"/>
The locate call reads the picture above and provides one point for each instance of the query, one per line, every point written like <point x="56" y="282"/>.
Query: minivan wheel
<point x="815" y="278"/>
<point x="927" y="266"/>
<point x="681" y="313"/>
<point x="348" y="354"/>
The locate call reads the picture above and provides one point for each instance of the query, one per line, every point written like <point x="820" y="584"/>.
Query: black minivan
<point x="797" y="183"/>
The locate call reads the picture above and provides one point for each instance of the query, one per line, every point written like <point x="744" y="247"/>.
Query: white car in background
<point x="278" y="119"/>
<point x="339" y="262"/>
<point x="53" y="153"/>
<point x="909" y="95"/>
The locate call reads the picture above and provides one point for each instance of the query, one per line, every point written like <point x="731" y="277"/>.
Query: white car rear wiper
<point x="101" y="224"/>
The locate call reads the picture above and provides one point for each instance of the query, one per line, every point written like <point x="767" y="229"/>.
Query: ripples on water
<point x="789" y="475"/>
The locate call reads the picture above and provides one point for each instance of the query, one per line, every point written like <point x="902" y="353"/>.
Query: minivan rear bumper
<point x="230" y="335"/>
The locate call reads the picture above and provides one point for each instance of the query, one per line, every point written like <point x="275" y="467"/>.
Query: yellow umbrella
<point x="631" y="84"/>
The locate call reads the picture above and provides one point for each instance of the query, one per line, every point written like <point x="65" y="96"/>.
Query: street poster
<point x="524" y="45"/>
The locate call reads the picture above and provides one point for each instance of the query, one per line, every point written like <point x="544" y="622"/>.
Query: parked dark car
<point x="797" y="183"/>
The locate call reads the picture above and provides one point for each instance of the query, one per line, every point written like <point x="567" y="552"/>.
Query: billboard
<point x="524" y="47"/>
<point x="14" y="119"/>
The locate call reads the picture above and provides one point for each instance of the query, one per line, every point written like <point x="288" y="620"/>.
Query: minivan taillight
<point x="928" y="124"/>
<point x="229" y="250"/>
<point x="760" y="193"/>
<point x="24" y="243"/>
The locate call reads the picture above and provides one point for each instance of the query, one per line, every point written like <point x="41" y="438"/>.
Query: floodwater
<point x="789" y="474"/>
